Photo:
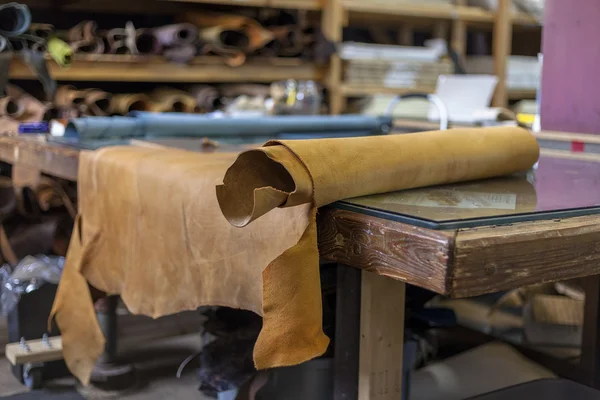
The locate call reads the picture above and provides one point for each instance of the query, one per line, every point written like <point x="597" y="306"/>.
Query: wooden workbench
<point x="459" y="262"/>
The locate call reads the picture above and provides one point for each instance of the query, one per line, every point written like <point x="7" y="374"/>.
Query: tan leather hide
<point x="150" y="227"/>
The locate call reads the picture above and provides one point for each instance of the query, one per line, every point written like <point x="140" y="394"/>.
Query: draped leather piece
<point x="163" y="256"/>
<point x="319" y="172"/>
<point x="179" y="253"/>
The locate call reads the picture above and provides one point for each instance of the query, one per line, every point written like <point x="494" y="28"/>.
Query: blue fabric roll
<point x="143" y="124"/>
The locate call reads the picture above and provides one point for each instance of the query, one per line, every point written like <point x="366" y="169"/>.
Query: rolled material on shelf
<point x="3" y="44"/>
<point x="15" y="19"/>
<point x="145" y="42"/>
<point x="125" y="103"/>
<point x="177" y="34"/>
<point x="43" y="31"/>
<point x="97" y="101"/>
<point x="11" y="108"/>
<point x="68" y="96"/>
<point x="115" y="38"/>
<point x="319" y="172"/>
<point x="227" y="30"/>
<point x="191" y="125"/>
<point x="97" y="127"/>
<point x="85" y="30"/>
<point x="34" y="109"/>
<point x="60" y="52"/>
<point x="140" y="41"/>
<point x="207" y="97"/>
<point x="84" y="38"/>
<point x="173" y="100"/>
<point x="180" y="54"/>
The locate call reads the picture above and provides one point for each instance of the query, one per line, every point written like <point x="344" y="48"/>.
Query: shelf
<point x="360" y="10"/>
<point x="524" y="19"/>
<point x="289" y="4"/>
<point x="415" y="10"/>
<point x="520" y="94"/>
<point x="364" y="90"/>
<point x="121" y="68"/>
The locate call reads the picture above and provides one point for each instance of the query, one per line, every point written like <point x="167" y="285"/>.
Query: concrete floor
<point x="156" y="364"/>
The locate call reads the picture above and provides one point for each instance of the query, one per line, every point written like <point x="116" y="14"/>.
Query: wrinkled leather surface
<point x="149" y="228"/>
<point x="319" y="172"/>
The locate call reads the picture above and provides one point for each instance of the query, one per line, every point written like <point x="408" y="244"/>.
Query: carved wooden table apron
<point x="459" y="240"/>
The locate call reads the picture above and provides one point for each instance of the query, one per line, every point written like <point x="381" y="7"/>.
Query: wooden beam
<point x="381" y="338"/>
<point x="332" y="25"/>
<point x="117" y="68"/>
<point x="58" y="161"/>
<point x="440" y="30"/>
<point x="368" y="90"/>
<point x="406" y="34"/>
<point x="34" y="351"/>
<point x="347" y="333"/>
<point x="458" y="40"/>
<point x="501" y="50"/>
<point x="404" y="252"/>
<point x="495" y="258"/>
<point x="417" y="10"/>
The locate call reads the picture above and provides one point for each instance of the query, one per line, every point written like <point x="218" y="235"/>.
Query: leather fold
<point x="181" y="252"/>
<point x="319" y="172"/>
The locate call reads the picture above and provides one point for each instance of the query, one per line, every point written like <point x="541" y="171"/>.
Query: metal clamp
<point x="432" y="98"/>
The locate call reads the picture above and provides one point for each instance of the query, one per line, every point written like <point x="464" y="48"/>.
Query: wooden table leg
<point x="590" y="341"/>
<point x="369" y="336"/>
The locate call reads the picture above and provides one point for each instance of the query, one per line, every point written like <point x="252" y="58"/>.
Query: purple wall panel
<point x="571" y="73"/>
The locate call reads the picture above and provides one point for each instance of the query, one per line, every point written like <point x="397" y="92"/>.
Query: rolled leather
<point x="207" y="97"/>
<point x="181" y="54"/>
<point x="43" y="31"/>
<point x="176" y="34"/>
<point x="97" y="101"/>
<point x="172" y="100"/>
<point x="34" y="109"/>
<point x="84" y="38"/>
<point x="271" y="265"/>
<point x="319" y="172"/>
<point x="11" y="108"/>
<point x="15" y="19"/>
<point x="68" y="96"/>
<point x="125" y="103"/>
<point x="141" y="41"/>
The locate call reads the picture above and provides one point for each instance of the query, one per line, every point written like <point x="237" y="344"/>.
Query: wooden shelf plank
<point x="124" y="68"/>
<point x="525" y="19"/>
<point x="520" y="94"/>
<point x="364" y="90"/>
<point x="288" y="4"/>
<point x="362" y="10"/>
<point x="415" y="10"/>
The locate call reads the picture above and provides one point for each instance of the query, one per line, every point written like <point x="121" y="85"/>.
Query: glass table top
<point x="557" y="188"/>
